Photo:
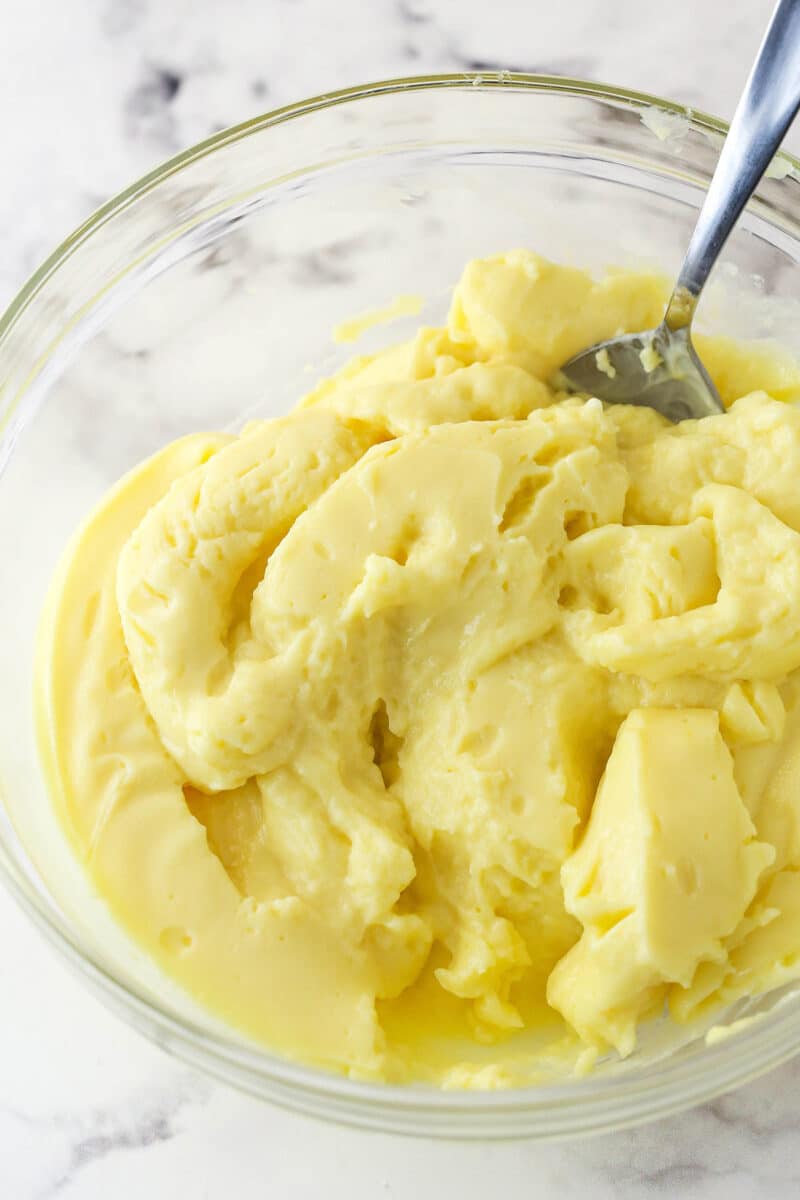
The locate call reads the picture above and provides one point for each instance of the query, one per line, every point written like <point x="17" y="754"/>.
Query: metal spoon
<point x="660" y="368"/>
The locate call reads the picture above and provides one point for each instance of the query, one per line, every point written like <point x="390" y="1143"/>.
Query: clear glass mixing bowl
<point x="206" y="293"/>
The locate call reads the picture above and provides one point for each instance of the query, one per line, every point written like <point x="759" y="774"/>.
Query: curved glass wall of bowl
<point x="207" y="294"/>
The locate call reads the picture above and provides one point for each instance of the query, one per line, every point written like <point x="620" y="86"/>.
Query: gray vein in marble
<point x="339" y="261"/>
<point x="86" y="1138"/>
<point x="148" y="107"/>
<point x="144" y="1132"/>
<point x="411" y="14"/>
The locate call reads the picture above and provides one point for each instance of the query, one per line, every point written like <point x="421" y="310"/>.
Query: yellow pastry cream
<point x="447" y="728"/>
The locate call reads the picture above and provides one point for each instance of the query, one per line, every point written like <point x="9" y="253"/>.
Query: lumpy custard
<point x="448" y="728"/>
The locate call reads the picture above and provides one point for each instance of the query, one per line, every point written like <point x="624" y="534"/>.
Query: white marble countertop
<point x="94" y="92"/>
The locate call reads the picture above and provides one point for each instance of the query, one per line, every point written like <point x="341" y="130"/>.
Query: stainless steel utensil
<point x="659" y="368"/>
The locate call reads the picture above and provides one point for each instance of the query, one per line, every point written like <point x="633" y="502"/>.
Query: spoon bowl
<point x="656" y="369"/>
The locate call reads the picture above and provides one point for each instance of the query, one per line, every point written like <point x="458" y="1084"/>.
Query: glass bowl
<point x="206" y="293"/>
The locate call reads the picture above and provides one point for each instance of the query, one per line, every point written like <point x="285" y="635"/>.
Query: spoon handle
<point x="765" y="111"/>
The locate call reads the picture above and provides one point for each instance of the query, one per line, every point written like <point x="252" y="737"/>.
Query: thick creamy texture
<point x="446" y="728"/>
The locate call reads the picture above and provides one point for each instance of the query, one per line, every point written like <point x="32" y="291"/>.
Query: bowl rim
<point x="499" y="80"/>
<point x="588" y="1105"/>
